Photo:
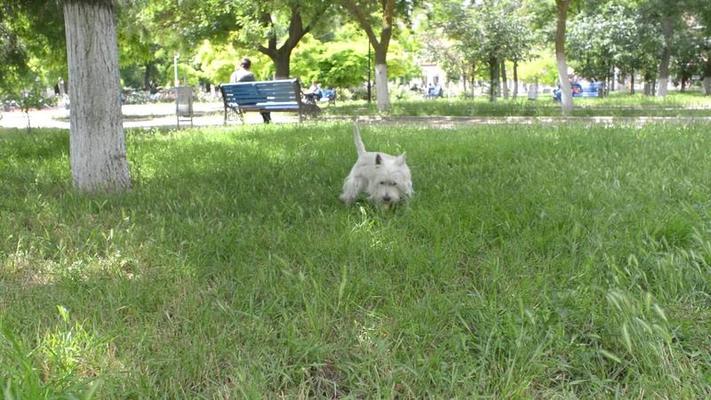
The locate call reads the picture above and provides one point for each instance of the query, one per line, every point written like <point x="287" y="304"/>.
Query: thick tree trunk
<point x="282" y="63"/>
<point x="565" y="90"/>
<point x="707" y="75"/>
<point x="515" y="78"/>
<point x="97" y="148"/>
<point x="667" y="30"/>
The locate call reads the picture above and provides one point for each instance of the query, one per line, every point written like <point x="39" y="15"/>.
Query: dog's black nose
<point x="386" y="199"/>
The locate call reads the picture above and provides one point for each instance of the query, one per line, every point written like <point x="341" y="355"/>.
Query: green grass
<point x="551" y="262"/>
<point x="617" y="105"/>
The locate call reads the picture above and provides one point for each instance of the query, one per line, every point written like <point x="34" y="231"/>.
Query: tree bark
<point x="281" y="56"/>
<point x="282" y="65"/>
<point x="493" y="78"/>
<point x="632" y="82"/>
<point x="382" y="94"/>
<point x="707" y="75"/>
<point x="379" y="45"/>
<point x="667" y="30"/>
<point x="515" y="78"/>
<point x="504" y="80"/>
<point x="97" y="148"/>
<point x="565" y="90"/>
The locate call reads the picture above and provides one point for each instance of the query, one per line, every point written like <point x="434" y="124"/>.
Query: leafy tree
<point x="702" y="24"/>
<point x="142" y="54"/>
<point x="562" y="7"/>
<point x="687" y="57"/>
<point x="612" y="35"/>
<point x="377" y="19"/>
<point x="273" y="28"/>
<point x="31" y="46"/>
<point x="341" y="60"/>
<point x="487" y="32"/>
<point x="667" y="15"/>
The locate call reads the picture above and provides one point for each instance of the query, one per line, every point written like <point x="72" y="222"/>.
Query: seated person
<point x="313" y="94"/>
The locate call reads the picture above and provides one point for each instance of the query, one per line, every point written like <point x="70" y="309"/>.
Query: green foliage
<point x="541" y="66"/>
<point x="343" y="63"/>
<point x="32" y="49"/>
<point x="612" y="36"/>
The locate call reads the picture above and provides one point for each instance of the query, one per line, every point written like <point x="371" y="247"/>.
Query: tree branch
<point x="362" y="20"/>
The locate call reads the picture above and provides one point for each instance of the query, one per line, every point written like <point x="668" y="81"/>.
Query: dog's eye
<point x="382" y="182"/>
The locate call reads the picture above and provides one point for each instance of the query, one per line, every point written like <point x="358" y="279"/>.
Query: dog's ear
<point x="400" y="159"/>
<point x="378" y="159"/>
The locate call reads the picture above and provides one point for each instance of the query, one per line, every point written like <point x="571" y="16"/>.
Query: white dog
<point x="384" y="178"/>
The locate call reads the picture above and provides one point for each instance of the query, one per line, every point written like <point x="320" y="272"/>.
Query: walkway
<point x="211" y="114"/>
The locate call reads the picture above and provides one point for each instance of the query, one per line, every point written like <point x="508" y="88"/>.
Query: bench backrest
<point x="249" y="93"/>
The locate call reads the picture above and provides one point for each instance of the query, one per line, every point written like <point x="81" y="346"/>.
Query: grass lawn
<point x="617" y="105"/>
<point x="533" y="262"/>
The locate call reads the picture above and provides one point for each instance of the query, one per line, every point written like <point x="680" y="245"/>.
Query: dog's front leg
<point x="351" y="188"/>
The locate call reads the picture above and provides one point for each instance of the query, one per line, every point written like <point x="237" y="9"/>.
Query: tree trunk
<point x="381" y="79"/>
<point x="648" y="86"/>
<point x="96" y="143"/>
<point x="667" y="30"/>
<point x="282" y="64"/>
<point x="707" y="75"/>
<point x="632" y="82"/>
<point x="611" y="88"/>
<point x="493" y="78"/>
<point x="379" y="45"/>
<point x="515" y="78"/>
<point x="504" y="80"/>
<point x="565" y="91"/>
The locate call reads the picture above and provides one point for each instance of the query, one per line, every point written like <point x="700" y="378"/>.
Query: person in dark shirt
<point x="243" y="73"/>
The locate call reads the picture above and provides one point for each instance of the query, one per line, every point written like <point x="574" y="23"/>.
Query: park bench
<point x="266" y="96"/>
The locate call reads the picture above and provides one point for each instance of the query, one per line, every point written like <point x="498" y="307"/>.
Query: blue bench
<point x="266" y="96"/>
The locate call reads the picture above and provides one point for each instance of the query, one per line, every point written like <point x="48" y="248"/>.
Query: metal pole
<point x="369" y="69"/>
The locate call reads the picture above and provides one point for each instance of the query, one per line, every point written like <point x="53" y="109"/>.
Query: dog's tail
<point x="360" y="147"/>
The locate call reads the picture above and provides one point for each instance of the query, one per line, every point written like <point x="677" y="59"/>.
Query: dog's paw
<point x="348" y="200"/>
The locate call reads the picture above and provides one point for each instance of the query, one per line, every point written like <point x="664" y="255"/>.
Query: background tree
<point x="702" y="10"/>
<point x="31" y="51"/>
<point x="274" y="27"/>
<point x="607" y="37"/>
<point x="487" y="32"/>
<point x="667" y="16"/>
<point x="562" y="7"/>
<point x="687" y="57"/>
<point x="374" y="16"/>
